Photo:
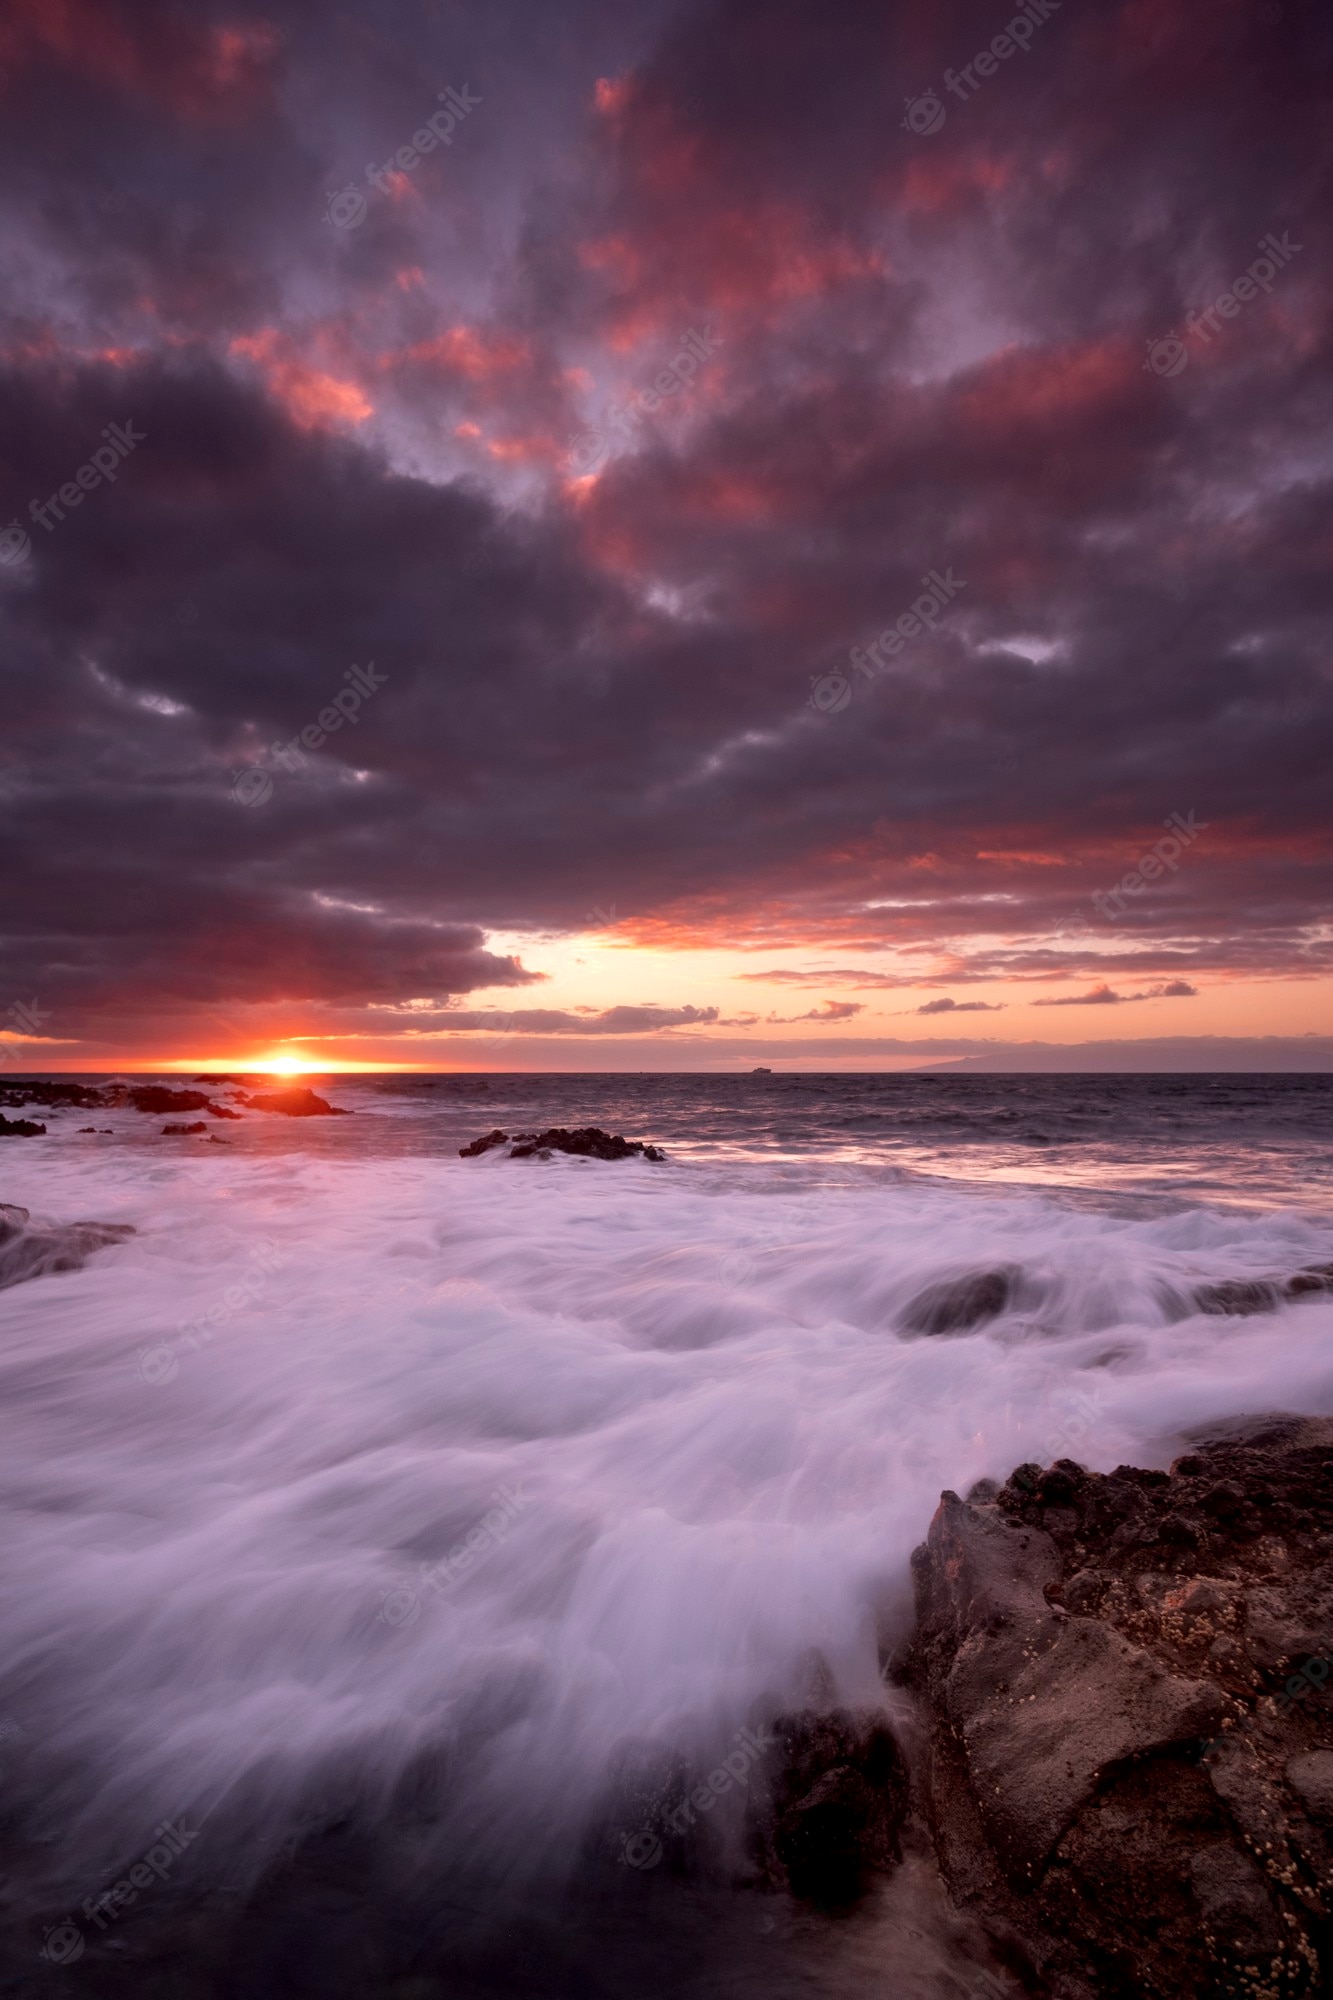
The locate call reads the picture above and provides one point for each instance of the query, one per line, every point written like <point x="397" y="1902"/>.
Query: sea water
<point x="372" y="1492"/>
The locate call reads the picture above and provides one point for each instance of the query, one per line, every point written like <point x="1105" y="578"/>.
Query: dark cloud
<point x="946" y="1005"/>
<point x="934" y="355"/>
<point x="1104" y="996"/>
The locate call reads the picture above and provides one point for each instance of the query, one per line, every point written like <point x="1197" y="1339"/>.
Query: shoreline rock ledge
<point x="1126" y="1686"/>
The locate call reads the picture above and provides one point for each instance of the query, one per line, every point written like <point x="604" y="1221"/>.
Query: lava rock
<point x="52" y="1096"/>
<point x="587" y="1142"/>
<point x="1237" y="1296"/>
<point x="297" y="1103"/>
<point x="484" y="1145"/>
<point x="1129" y="1756"/>
<point x="830" y="1803"/>
<point x="1240" y="1297"/>
<point x="28" y="1252"/>
<point x="157" y="1098"/>
<point x="1317" y="1278"/>
<point x="956" y="1304"/>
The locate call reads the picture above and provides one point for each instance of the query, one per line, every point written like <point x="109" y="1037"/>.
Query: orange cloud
<point x="312" y="399"/>
<point x="471" y="352"/>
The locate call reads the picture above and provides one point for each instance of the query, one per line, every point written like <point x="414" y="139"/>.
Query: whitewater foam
<point x="268" y="1584"/>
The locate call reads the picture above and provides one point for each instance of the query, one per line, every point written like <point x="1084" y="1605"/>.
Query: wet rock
<point x="20" y="1128"/>
<point x="296" y="1103"/>
<point x="53" y="1096"/>
<point x="587" y="1142"/>
<point x="157" y="1098"/>
<point x="1129" y="1761"/>
<point x="183" y="1131"/>
<point x="956" y="1304"/>
<point x="829" y="1807"/>
<point x="1238" y="1296"/>
<point x="479" y="1146"/>
<point x="1243" y="1296"/>
<point x="28" y="1252"/>
<point x="222" y="1111"/>
<point x="1318" y="1278"/>
<point x="1311" y="1777"/>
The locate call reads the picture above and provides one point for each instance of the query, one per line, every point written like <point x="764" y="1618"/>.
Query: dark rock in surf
<point x="1315" y="1278"/>
<point x="20" y="1128"/>
<point x="480" y="1146"/>
<point x="28" y="1252"/>
<point x="1238" y="1296"/>
<point x="954" y="1305"/>
<point x="51" y="1096"/>
<point x="156" y="1098"/>
<point x="298" y="1103"/>
<point x="830" y="1802"/>
<point x="183" y="1131"/>
<point x="222" y="1111"/>
<point x="1129" y="1740"/>
<point x="1242" y="1296"/>
<point x="587" y="1142"/>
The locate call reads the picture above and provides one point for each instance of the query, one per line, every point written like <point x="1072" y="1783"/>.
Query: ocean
<point x="374" y="1519"/>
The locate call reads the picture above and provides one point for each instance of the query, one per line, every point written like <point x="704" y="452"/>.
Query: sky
<point x="627" y="535"/>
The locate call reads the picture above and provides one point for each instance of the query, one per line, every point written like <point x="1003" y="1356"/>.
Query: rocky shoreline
<point x="1128" y="1759"/>
<point x="586" y="1142"/>
<point x="1110" y="1735"/>
<point x="152" y="1099"/>
<point x="1110" y="1730"/>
